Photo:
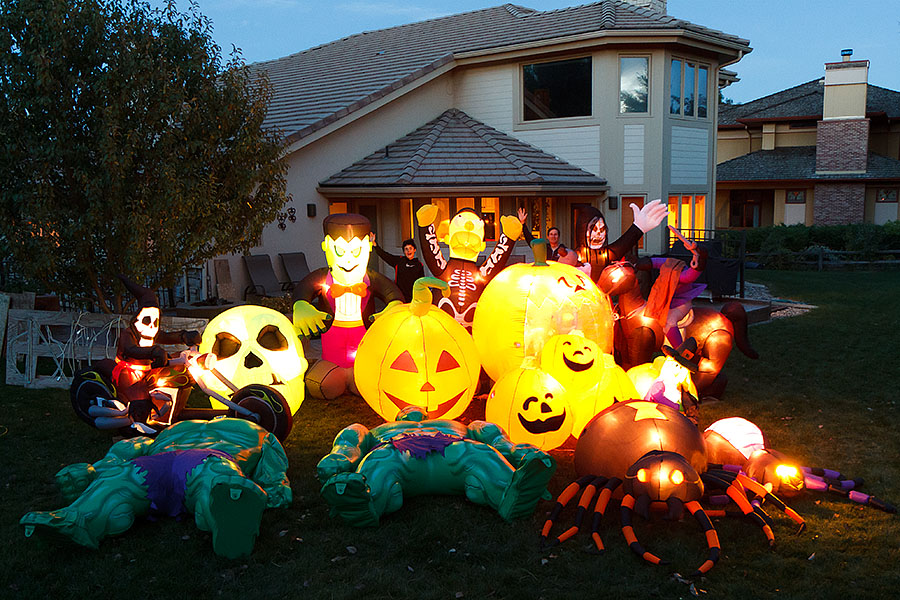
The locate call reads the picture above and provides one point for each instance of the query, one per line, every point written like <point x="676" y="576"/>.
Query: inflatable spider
<point x="739" y="448"/>
<point x="658" y="458"/>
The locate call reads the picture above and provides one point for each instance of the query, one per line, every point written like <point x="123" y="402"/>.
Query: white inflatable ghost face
<point x="254" y="344"/>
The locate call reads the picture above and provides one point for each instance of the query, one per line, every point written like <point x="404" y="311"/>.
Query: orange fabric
<point x="712" y="539"/>
<point x="705" y="567"/>
<point x="568" y="493"/>
<point x="663" y="290"/>
<point x="547" y="526"/>
<point x="597" y="541"/>
<point x="567" y="534"/>
<point x="587" y="496"/>
<point x="628" y="532"/>
<point x="338" y="290"/>
<point x="603" y="500"/>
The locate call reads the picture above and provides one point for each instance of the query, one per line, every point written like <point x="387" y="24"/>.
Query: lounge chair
<point x="296" y="268"/>
<point x="262" y="277"/>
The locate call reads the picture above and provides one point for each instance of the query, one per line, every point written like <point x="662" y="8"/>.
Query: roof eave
<point x="398" y="191"/>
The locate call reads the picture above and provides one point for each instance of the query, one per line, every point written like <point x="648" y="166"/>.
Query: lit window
<point x="688" y="89"/>
<point x="557" y="89"/>
<point x="687" y="212"/>
<point x="634" y="84"/>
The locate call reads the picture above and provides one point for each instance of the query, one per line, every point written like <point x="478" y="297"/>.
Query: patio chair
<point x="296" y="268"/>
<point x="262" y="277"/>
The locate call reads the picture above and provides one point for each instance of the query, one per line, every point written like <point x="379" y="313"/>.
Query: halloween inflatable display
<point x="591" y="377"/>
<point x="465" y="237"/>
<point x="417" y="355"/>
<point x="715" y="332"/>
<point x="658" y="458"/>
<point x="224" y="472"/>
<point x="592" y="245"/>
<point x="140" y="361"/>
<point x="369" y="472"/>
<point x="741" y="448"/>
<point x="640" y="324"/>
<point x="667" y="380"/>
<point x="255" y="345"/>
<point x="527" y="304"/>
<point x="531" y="406"/>
<point x="345" y="291"/>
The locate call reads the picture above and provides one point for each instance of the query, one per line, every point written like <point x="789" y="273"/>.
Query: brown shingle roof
<point x="323" y="84"/>
<point x="804" y="101"/>
<point x="798" y="164"/>
<point x="456" y="150"/>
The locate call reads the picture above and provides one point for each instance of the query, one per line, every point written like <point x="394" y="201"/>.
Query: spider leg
<point x="712" y="538"/>
<point x="628" y="532"/>
<point x="564" y="498"/>
<point x="766" y="495"/>
<point x="600" y="509"/>
<point x="735" y="491"/>
<point x="831" y="481"/>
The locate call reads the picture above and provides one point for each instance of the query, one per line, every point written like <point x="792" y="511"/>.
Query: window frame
<point x="522" y="120"/>
<point x="788" y="200"/>
<point x="649" y="91"/>
<point x="697" y="66"/>
<point x="880" y="195"/>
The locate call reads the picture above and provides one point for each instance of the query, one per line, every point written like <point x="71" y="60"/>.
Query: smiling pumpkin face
<point x="407" y="359"/>
<point x="532" y="407"/>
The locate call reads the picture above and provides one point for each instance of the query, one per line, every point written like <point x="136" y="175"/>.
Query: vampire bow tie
<point x="338" y="290"/>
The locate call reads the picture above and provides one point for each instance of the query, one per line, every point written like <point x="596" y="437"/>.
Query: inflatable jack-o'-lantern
<point x="255" y="344"/>
<point x="417" y="355"/>
<point x="591" y="377"/>
<point x="526" y="304"/>
<point x="531" y="406"/>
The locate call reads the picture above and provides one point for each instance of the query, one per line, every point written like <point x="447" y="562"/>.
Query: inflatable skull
<point x="254" y="344"/>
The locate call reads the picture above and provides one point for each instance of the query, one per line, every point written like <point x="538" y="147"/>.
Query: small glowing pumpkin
<point x="591" y="377"/>
<point x="532" y="407"/>
<point x="417" y="355"/>
<point x="526" y="304"/>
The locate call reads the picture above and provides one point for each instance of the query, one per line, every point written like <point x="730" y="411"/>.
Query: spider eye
<point x="642" y="475"/>
<point x="676" y="477"/>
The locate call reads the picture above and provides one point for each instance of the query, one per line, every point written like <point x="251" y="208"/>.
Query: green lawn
<point x="824" y="390"/>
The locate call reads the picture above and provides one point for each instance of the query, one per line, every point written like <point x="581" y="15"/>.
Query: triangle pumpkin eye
<point x="446" y="362"/>
<point x="405" y="362"/>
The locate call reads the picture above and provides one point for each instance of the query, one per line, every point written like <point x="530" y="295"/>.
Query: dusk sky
<point x="791" y="39"/>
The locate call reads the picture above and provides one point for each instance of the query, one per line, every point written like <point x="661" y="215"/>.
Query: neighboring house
<point x="603" y="104"/>
<point x="823" y="152"/>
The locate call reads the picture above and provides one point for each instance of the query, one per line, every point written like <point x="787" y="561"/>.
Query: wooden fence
<point x="66" y="341"/>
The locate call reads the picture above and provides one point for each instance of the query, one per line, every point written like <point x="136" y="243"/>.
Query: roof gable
<point x="324" y="84"/>
<point x="455" y="150"/>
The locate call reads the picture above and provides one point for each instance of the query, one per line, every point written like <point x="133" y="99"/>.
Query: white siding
<point x="579" y="146"/>
<point x="633" y="155"/>
<point x="690" y="156"/>
<point x="486" y="94"/>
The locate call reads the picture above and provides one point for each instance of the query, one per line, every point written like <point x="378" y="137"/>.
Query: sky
<point x="791" y="39"/>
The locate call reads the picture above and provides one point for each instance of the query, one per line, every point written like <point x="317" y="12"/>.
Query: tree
<point x="127" y="145"/>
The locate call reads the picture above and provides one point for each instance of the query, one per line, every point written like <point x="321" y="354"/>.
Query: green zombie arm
<point x="492" y="435"/>
<point x="350" y="445"/>
<point x="73" y="479"/>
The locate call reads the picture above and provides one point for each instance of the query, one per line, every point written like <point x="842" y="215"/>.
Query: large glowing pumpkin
<point x="532" y="407"/>
<point x="591" y="377"/>
<point x="526" y="304"/>
<point x="417" y="355"/>
<point x="255" y="344"/>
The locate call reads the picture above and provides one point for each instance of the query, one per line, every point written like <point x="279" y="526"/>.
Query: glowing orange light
<point x="676" y="477"/>
<point x="642" y="475"/>
<point x="786" y="472"/>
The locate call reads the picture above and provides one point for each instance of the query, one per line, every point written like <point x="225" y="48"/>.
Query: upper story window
<point x="689" y="89"/>
<point x="634" y="84"/>
<point x="557" y="89"/>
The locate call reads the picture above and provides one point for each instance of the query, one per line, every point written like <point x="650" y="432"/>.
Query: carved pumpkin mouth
<point x="577" y="367"/>
<point x="436" y="413"/>
<point x="543" y="426"/>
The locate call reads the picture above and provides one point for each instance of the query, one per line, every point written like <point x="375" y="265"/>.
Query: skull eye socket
<point x="446" y="362"/>
<point x="405" y="362"/>
<point x="271" y="338"/>
<point x="225" y="345"/>
<point x="146" y="320"/>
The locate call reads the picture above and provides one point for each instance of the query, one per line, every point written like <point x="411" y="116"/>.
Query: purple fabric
<point x="829" y="474"/>
<point x="859" y="497"/>
<point x="815" y="484"/>
<point x="656" y="393"/>
<point x="165" y="476"/>
<point x="419" y="445"/>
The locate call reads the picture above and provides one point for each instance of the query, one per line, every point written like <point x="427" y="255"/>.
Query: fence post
<point x="821" y="256"/>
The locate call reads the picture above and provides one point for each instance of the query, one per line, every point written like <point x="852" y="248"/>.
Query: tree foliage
<point x="129" y="144"/>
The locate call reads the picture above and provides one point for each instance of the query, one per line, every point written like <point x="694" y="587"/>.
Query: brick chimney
<point x="842" y="141"/>
<point x="655" y="5"/>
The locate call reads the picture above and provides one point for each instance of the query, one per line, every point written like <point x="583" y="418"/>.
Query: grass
<point x="824" y="391"/>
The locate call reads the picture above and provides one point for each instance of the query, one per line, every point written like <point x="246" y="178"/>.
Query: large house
<point x="823" y="152"/>
<point x="603" y="104"/>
